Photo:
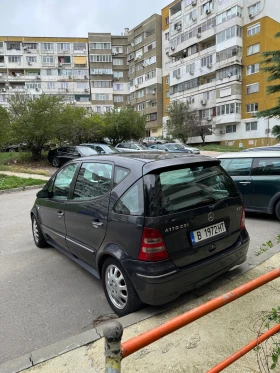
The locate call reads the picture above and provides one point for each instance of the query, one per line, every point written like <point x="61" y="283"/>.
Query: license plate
<point x="207" y="232"/>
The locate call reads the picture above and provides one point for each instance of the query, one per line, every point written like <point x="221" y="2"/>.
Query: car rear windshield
<point x="175" y="190"/>
<point x="86" y="151"/>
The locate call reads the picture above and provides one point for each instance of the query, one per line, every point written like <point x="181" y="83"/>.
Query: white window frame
<point x="253" y="69"/>
<point x="254" y="29"/>
<point x="138" y="39"/>
<point x="141" y="106"/>
<point x="252" y="108"/>
<point x="225" y="92"/>
<point x="253" y="49"/>
<point x="254" y="88"/>
<point x="117" y="61"/>
<point x="14" y="59"/>
<point x="254" y="8"/>
<point x="248" y="126"/>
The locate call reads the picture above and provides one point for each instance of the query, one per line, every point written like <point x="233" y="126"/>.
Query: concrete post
<point x="113" y="332"/>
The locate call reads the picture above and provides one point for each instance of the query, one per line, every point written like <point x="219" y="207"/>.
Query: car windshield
<point x="140" y="146"/>
<point x="110" y="149"/>
<point x="86" y="151"/>
<point x="172" y="191"/>
<point x="174" y="146"/>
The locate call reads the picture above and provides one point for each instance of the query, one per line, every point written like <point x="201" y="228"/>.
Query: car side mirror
<point x="44" y="193"/>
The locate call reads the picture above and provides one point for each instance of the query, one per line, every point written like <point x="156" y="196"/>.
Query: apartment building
<point x="54" y="66"/>
<point x="108" y="71"/>
<point x="211" y="50"/>
<point x="144" y="58"/>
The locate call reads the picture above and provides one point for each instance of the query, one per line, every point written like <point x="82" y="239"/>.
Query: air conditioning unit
<point x="128" y="102"/>
<point x="37" y="89"/>
<point x="194" y="3"/>
<point x="191" y="72"/>
<point x="203" y="102"/>
<point x="267" y="130"/>
<point x="209" y="65"/>
<point x="209" y="118"/>
<point x="24" y="47"/>
<point x="239" y="78"/>
<point x="154" y="92"/>
<point x="222" y="132"/>
<point x="60" y="64"/>
<point x="179" y="27"/>
<point x="172" y="48"/>
<point x="38" y="77"/>
<point x="70" y="77"/>
<point x="3" y="90"/>
<point x="229" y="75"/>
<point x="167" y="53"/>
<point x="143" y="64"/>
<point x="136" y="86"/>
<point x="29" y="51"/>
<point x="1" y="75"/>
<point x="116" y="78"/>
<point x="251" y="15"/>
<point x="208" y="11"/>
<point x="65" y="51"/>
<point x="149" y="102"/>
<point x="85" y="77"/>
<point x="253" y="114"/>
<point x="194" y="19"/>
<point x="66" y="90"/>
<point x="29" y="63"/>
<point x="86" y="89"/>
<point x="178" y="76"/>
<point x="198" y="35"/>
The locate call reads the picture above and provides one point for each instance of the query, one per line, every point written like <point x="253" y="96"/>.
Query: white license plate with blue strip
<point x="208" y="232"/>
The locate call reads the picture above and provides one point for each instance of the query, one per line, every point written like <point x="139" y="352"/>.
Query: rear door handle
<point x="244" y="182"/>
<point x="60" y="214"/>
<point x="97" y="223"/>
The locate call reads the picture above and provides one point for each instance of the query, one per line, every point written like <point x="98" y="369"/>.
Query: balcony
<point x="47" y="51"/>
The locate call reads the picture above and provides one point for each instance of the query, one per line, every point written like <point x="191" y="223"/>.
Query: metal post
<point x="113" y="332"/>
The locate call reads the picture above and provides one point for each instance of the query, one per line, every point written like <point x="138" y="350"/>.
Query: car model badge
<point x="211" y="216"/>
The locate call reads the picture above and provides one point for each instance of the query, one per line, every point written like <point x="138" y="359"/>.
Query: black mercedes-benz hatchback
<point x="150" y="225"/>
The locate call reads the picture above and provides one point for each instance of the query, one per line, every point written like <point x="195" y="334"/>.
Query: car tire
<point x="277" y="210"/>
<point x="55" y="162"/>
<point x="39" y="239"/>
<point x="12" y="150"/>
<point x="113" y="270"/>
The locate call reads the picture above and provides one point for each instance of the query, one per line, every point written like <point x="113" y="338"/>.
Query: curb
<point x="21" y="189"/>
<point x="59" y="348"/>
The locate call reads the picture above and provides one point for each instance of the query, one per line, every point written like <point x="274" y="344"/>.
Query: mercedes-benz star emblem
<point x="211" y="216"/>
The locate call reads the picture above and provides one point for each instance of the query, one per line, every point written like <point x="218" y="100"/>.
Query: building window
<point x="79" y="48"/>
<point x="101" y="97"/>
<point x="251" y="126"/>
<point x="100" y="45"/>
<point x="100" y="58"/>
<point x="176" y="73"/>
<point x="47" y="47"/>
<point x="98" y="109"/>
<point x="150" y="60"/>
<point x="150" y="46"/>
<point x="206" y="7"/>
<point x="14" y="59"/>
<point x="51" y="85"/>
<point x="252" y="69"/>
<point x="228" y="14"/>
<point x="141" y="93"/>
<point x="252" y="88"/>
<point x="190" y="67"/>
<point x="166" y="21"/>
<point x="63" y="47"/>
<point x="82" y="85"/>
<point x="101" y="71"/>
<point x="167" y="36"/>
<point x="150" y="75"/>
<point x="33" y="85"/>
<point x="118" y="87"/>
<point x="102" y="84"/>
<point x="167" y="80"/>
<point x="46" y="60"/>
<point x="253" y="49"/>
<point x="118" y="74"/>
<point x="118" y="98"/>
<point x="31" y="59"/>
<point x="252" y="108"/>
<point x="229" y="33"/>
<point x="140" y="80"/>
<point x="117" y="61"/>
<point x="141" y="106"/>
<point x="13" y="45"/>
<point x="191" y="16"/>
<point x="228" y="53"/>
<point x="138" y="39"/>
<point x="206" y="61"/>
<point x="255" y="8"/>
<point x="226" y="109"/>
<point x="117" y="50"/>
<point x="254" y="29"/>
<point x="225" y="92"/>
<point x="228" y="72"/>
<point x="231" y="128"/>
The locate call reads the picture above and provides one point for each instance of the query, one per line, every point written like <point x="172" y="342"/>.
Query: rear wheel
<point x="277" y="210"/>
<point x="55" y="162"/>
<point x="39" y="239"/>
<point x="118" y="288"/>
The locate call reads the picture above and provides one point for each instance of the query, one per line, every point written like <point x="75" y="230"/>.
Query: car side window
<point x="120" y="174"/>
<point x="134" y="146"/>
<point x="266" y="167"/>
<point x="99" y="149"/>
<point x="93" y="181"/>
<point x="63" y="180"/>
<point x="132" y="201"/>
<point x="237" y="166"/>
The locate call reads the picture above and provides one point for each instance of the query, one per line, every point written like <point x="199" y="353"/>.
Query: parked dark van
<point x="150" y="225"/>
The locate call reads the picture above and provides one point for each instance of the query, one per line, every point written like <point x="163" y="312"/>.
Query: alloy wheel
<point x="116" y="286"/>
<point x="35" y="231"/>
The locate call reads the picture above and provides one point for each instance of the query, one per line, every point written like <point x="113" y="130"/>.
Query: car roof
<point x="149" y="161"/>
<point x="259" y="154"/>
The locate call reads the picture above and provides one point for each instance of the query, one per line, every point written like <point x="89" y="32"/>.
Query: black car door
<point x="51" y="210"/>
<point x="86" y="213"/>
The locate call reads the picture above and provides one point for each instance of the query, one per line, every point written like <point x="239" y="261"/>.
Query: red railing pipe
<point x="237" y="355"/>
<point x="136" y="343"/>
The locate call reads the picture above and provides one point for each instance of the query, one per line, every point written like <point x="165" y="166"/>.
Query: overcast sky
<point x="73" y="17"/>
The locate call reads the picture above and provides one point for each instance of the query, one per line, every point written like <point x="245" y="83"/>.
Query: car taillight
<point x="242" y="221"/>
<point x="152" y="246"/>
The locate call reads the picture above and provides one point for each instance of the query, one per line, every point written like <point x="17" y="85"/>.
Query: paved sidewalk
<point x="25" y="176"/>
<point x="194" y="348"/>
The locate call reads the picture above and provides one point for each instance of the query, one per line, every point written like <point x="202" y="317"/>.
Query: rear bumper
<point x="162" y="282"/>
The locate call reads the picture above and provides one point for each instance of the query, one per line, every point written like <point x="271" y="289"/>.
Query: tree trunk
<point x="36" y="153"/>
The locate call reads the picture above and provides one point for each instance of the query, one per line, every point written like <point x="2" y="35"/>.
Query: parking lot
<point x="45" y="297"/>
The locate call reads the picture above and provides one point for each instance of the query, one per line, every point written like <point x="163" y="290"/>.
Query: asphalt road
<point x="45" y="297"/>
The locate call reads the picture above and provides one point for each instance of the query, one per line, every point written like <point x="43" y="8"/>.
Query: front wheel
<point x="118" y="288"/>
<point x="55" y="162"/>
<point x="39" y="239"/>
<point x="277" y="210"/>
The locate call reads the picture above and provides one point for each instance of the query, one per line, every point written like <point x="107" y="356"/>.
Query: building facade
<point x="144" y="58"/>
<point x="212" y="53"/>
<point x="108" y="71"/>
<point x="55" y="66"/>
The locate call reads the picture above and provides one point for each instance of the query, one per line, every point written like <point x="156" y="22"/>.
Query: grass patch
<point x="219" y="148"/>
<point x="10" y="182"/>
<point x="23" y="162"/>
